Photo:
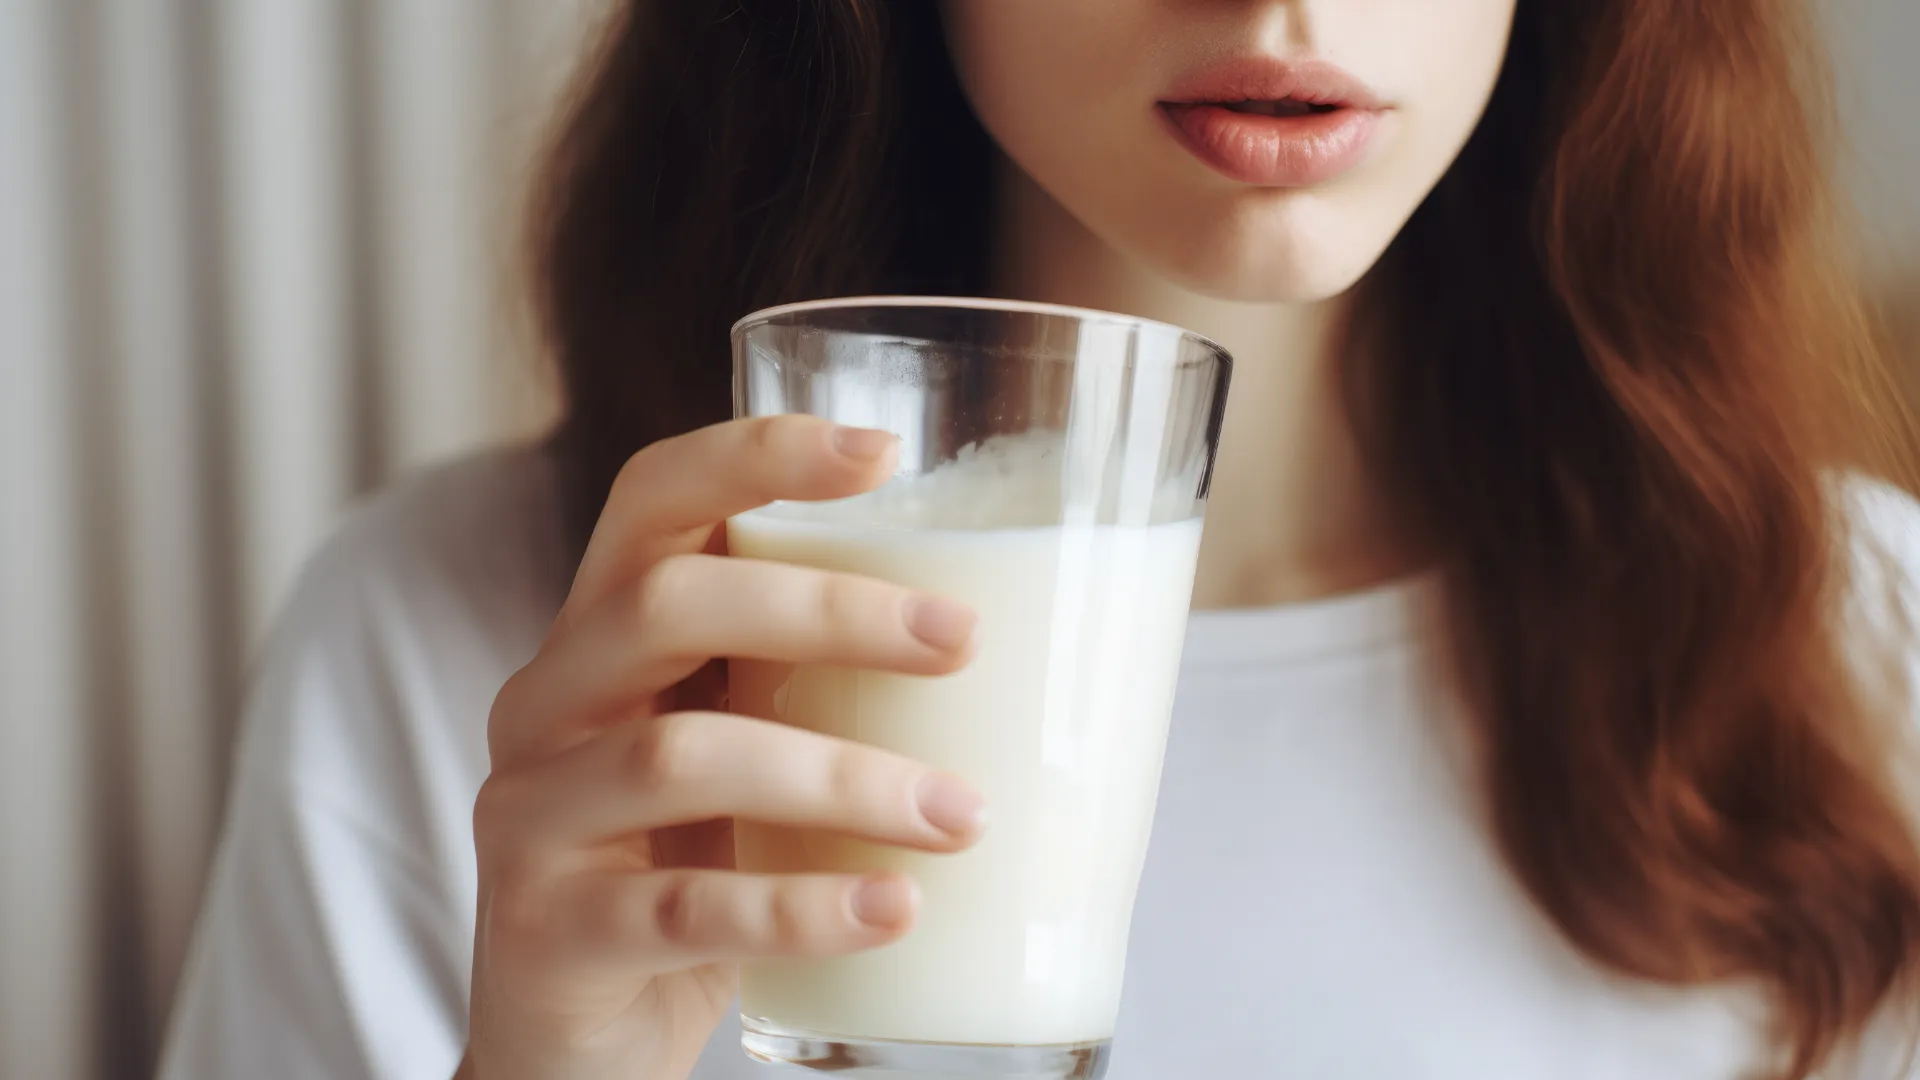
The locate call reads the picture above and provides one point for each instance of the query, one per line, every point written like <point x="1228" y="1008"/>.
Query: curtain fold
<point x="46" y="917"/>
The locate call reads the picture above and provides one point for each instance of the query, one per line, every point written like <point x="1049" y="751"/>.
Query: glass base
<point x="769" y="1042"/>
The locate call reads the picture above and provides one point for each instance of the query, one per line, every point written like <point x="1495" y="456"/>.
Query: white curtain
<point x="256" y="257"/>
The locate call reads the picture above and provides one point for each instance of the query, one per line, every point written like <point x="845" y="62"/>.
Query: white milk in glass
<point x="1060" y="720"/>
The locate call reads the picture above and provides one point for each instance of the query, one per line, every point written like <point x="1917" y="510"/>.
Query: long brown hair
<point x="1630" y="363"/>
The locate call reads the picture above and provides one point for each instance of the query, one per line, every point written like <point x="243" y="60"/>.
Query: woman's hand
<point x="609" y="913"/>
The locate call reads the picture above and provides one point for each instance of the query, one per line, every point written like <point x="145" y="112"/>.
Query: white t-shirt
<point x="1320" y="899"/>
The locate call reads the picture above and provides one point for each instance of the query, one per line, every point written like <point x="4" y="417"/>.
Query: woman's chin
<point x="1272" y="281"/>
<point x="1292" y="261"/>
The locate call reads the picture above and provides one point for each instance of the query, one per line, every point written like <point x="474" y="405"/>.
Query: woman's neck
<point x="1292" y="514"/>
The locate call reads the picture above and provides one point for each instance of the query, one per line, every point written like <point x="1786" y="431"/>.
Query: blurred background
<point x="258" y="257"/>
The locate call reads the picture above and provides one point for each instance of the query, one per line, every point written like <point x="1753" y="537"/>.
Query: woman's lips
<point x="1274" y="151"/>
<point x="1275" y="124"/>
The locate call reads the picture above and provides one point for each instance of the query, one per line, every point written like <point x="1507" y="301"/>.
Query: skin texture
<point x="1631" y="297"/>
<point x="608" y="919"/>
<point x="1102" y="206"/>
<point x="1048" y="81"/>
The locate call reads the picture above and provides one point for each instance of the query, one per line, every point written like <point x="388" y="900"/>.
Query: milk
<point x="1060" y="721"/>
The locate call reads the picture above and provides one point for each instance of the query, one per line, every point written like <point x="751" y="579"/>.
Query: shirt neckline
<point x="1391" y="614"/>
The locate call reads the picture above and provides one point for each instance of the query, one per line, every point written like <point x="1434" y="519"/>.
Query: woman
<point x="1539" y="329"/>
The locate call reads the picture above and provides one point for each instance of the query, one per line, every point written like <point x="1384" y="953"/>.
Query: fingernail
<point x="884" y="902"/>
<point x="943" y="624"/>
<point x="862" y="444"/>
<point x="951" y="805"/>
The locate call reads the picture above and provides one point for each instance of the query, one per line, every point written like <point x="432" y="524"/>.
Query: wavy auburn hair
<point x="1613" y="356"/>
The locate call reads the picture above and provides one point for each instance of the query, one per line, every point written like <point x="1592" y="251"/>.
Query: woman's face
<point x="1259" y="150"/>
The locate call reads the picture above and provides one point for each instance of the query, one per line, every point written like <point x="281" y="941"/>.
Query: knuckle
<point x="763" y="435"/>
<point x="835" y="600"/>
<point x="678" y="912"/>
<point x="491" y="810"/>
<point x="846" y="777"/>
<point x="663" y="591"/>
<point x="631" y="474"/>
<point x="510" y="702"/>
<point x="499" y="845"/>
<point x="517" y="725"/>
<point x="790" y="920"/>
<point x="850" y="608"/>
<point x="518" y="908"/>
<point x="768" y="454"/>
<point x="665" y="751"/>
<point x="779" y="437"/>
<point x="607" y="913"/>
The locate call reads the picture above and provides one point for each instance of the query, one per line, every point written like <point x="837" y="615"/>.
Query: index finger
<point x="669" y="496"/>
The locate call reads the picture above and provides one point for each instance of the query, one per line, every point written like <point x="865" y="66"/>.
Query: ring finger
<point x="671" y="920"/>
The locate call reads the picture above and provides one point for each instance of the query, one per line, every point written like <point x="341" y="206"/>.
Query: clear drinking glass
<point x="1054" y="465"/>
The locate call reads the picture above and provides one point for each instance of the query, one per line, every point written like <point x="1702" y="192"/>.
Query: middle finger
<point x="693" y="608"/>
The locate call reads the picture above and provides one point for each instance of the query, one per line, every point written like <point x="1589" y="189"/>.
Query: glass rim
<point x="763" y="316"/>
